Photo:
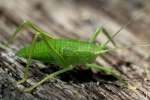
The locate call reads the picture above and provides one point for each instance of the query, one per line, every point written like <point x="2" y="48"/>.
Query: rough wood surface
<point x="77" y="19"/>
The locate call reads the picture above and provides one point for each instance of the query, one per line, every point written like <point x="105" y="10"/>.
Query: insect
<point x="64" y="52"/>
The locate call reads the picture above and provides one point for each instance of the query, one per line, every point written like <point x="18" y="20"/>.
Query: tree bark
<point x="77" y="19"/>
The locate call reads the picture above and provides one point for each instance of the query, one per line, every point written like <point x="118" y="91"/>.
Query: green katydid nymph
<point x="64" y="52"/>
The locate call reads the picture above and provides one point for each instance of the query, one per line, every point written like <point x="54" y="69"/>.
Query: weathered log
<point x="76" y="19"/>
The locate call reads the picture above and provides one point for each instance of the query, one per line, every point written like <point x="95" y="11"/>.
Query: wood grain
<point x="77" y="19"/>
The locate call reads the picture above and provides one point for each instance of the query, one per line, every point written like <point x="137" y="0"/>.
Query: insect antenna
<point x="124" y="26"/>
<point x="104" y="45"/>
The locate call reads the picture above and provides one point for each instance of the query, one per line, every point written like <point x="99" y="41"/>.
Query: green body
<point x="74" y="52"/>
<point x="66" y="53"/>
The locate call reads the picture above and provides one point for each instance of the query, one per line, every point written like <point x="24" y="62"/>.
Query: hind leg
<point x="29" y="61"/>
<point x="38" y="32"/>
<point x="52" y="75"/>
<point x="31" y="25"/>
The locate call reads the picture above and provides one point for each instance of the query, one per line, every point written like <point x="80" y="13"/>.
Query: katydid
<point x="64" y="52"/>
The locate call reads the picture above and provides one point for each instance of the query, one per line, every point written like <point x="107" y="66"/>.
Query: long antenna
<point x="125" y="25"/>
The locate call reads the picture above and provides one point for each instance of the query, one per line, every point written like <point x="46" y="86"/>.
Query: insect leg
<point x="95" y="34"/>
<point x="31" y="25"/>
<point x="110" y="71"/>
<point x="52" y="75"/>
<point x="41" y="33"/>
<point x="44" y="35"/>
<point x="104" y="31"/>
<point x="29" y="61"/>
<point x="110" y="38"/>
<point x="107" y="70"/>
